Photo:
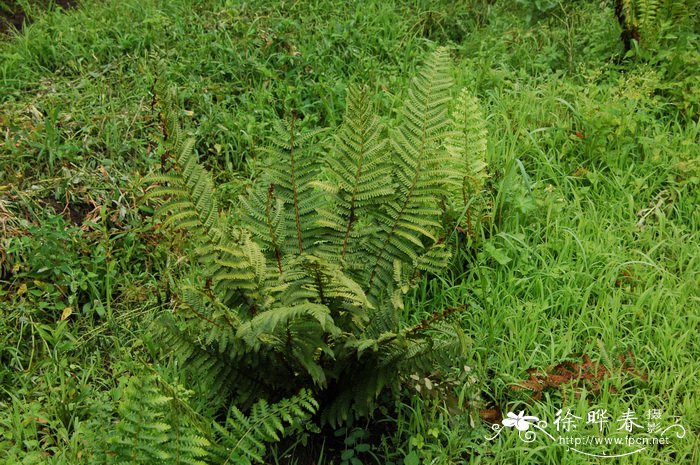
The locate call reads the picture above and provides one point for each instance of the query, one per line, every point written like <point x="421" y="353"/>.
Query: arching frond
<point x="421" y="169"/>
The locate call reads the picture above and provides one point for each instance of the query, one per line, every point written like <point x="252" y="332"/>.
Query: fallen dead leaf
<point x="491" y="415"/>
<point x="584" y="374"/>
<point x="66" y="313"/>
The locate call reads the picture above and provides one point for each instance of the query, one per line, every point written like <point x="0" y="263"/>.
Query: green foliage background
<point x="590" y="246"/>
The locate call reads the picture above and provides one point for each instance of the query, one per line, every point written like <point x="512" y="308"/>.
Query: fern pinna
<point x="301" y="285"/>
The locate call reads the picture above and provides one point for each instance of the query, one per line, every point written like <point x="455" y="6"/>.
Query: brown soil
<point x="12" y="16"/>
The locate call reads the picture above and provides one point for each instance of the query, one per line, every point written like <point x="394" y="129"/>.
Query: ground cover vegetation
<point x="344" y="232"/>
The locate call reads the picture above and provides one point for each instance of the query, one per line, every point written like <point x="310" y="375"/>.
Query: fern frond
<point x="646" y="14"/>
<point x="207" y="361"/>
<point x="296" y="334"/>
<point x="315" y="279"/>
<point x="294" y="157"/>
<point x="266" y="323"/>
<point x="242" y="438"/>
<point x="266" y="224"/>
<point x="421" y="168"/>
<point x="142" y="431"/>
<point x="358" y="399"/>
<point x="215" y="322"/>
<point x="191" y="203"/>
<point x="188" y="201"/>
<point x="358" y="171"/>
<point x="304" y="283"/>
<point x="186" y="446"/>
<point x="240" y="267"/>
<point x="646" y="20"/>
<point x="156" y="428"/>
<point x="467" y="143"/>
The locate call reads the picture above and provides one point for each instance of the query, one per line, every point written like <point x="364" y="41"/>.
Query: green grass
<point x="591" y="246"/>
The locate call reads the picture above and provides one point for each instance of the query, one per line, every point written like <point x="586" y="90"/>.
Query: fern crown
<point x="307" y="284"/>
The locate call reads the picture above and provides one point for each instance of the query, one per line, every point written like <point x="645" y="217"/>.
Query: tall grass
<point x="591" y="247"/>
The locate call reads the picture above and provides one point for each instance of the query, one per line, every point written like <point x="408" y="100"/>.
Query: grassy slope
<point x="568" y="267"/>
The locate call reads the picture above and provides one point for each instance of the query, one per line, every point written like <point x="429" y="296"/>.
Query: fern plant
<point x="301" y="285"/>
